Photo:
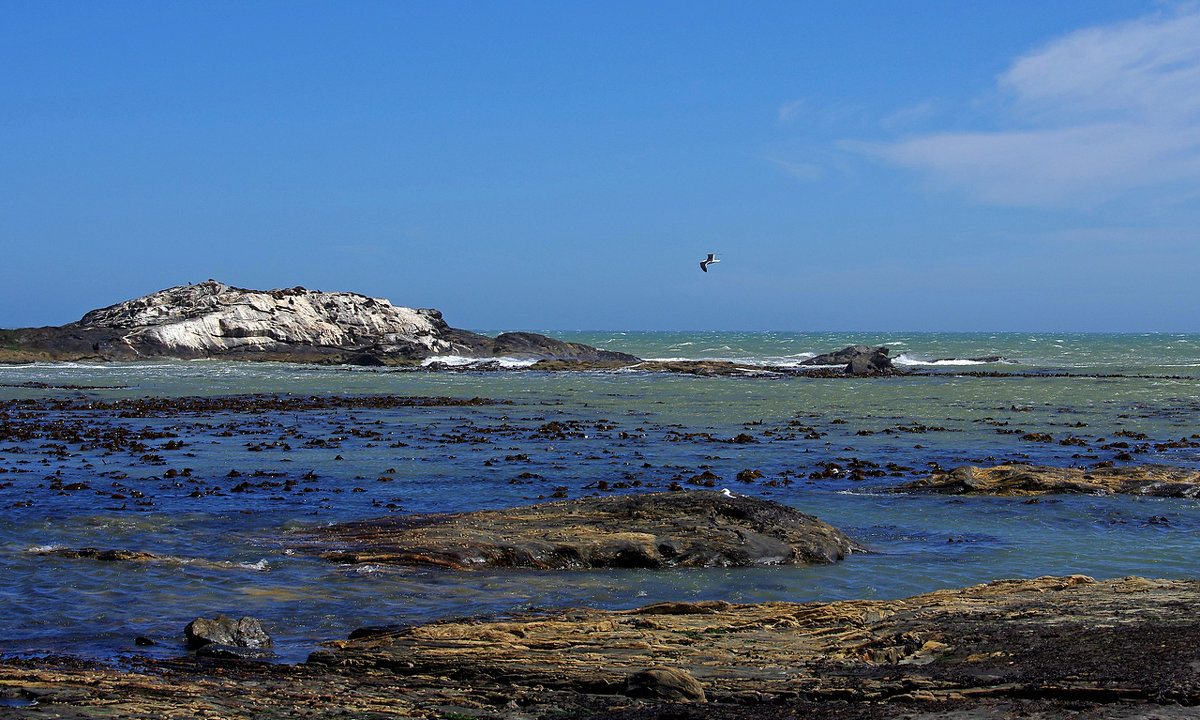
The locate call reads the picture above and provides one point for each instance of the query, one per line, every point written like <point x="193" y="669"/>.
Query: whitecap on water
<point x="463" y="361"/>
<point x="44" y="549"/>
<point x="905" y="359"/>
<point x="261" y="565"/>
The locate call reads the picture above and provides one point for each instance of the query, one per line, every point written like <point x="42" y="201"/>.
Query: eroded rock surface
<point x="1044" y="648"/>
<point x="1152" y="480"/>
<point x="212" y="319"/>
<point x="1065" y="637"/>
<point x="697" y="528"/>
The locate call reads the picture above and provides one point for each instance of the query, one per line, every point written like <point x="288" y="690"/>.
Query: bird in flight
<point x="708" y="261"/>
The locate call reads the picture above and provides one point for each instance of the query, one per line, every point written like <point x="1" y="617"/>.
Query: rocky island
<point x="214" y="320"/>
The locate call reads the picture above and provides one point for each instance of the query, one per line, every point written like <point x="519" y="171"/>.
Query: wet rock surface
<point x="102" y="555"/>
<point x="695" y="528"/>
<point x="858" y="359"/>
<point x="1050" y="647"/>
<point x="244" y="632"/>
<point x="1149" y="480"/>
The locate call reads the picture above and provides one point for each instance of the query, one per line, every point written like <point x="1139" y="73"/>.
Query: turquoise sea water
<point x="1060" y="399"/>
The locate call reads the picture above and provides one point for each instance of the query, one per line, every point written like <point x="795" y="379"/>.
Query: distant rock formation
<point x="858" y="359"/>
<point x="212" y="319"/>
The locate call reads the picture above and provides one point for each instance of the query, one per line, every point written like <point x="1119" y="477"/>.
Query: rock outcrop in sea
<point x="214" y="320"/>
<point x="223" y="630"/>
<point x="1149" y="480"/>
<point x="858" y="359"/>
<point x="698" y="528"/>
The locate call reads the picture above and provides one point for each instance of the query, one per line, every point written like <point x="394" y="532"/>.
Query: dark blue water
<point x="214" y="493"/>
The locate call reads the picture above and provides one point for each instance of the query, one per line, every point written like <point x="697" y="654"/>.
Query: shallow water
<point x="227" y="550"/>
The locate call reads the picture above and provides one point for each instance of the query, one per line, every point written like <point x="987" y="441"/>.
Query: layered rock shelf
<point x="1151" y="480"/>
<point x="1043" y="648"/>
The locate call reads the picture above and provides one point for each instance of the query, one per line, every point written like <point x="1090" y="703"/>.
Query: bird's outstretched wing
<point x="704" y="265"/>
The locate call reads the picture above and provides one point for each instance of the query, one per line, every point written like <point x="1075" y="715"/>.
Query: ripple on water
<point x="223" y="552"/>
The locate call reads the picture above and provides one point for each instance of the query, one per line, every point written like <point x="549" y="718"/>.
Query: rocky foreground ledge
<point x="1051" y="647"/>
<point x="698" y="528"/>
<point x="214" y="320"/>
<point x="1033" y="480"/>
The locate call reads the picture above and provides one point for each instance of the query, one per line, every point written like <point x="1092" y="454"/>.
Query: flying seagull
<point x="708" y="261"/>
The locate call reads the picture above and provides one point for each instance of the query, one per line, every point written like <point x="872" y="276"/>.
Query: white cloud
<point x="1097" y="114"/>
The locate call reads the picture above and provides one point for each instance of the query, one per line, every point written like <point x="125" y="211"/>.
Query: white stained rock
<point x="212" y="316"/>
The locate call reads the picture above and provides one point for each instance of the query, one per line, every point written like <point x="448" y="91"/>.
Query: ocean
<point x="212" y="467"/>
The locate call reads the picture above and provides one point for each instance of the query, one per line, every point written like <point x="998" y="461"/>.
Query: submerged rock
<point x="108" y="555"/>
<point x="212" y="319"/>
<point x="659" y="530"/>
<point x="1152" y="480"/>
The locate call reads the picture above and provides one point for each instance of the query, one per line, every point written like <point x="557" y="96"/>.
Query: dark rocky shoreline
<point x="1046" y="648"/>
<point x="215" y="320"/>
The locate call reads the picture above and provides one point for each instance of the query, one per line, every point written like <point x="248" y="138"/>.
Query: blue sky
<point x="887" y="165"/>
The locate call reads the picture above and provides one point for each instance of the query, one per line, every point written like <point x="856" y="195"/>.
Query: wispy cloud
<point x="788" y="112"/>
<point x="1093" y="116"/>
<point x="905" y="116"/>
<point x="800" y="170"/>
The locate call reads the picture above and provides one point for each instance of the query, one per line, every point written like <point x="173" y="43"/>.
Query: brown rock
<point x="1153" y="480"/>
<point x="661" y="683"/>
<point x="696" y="528"/>
<point x="1043" y="648"/>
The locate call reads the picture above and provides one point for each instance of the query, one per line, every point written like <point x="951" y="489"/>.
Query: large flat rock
<point x="1068" y="637"/>
<point x="1151" y="480"/>
<point x="698" y="528"/>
